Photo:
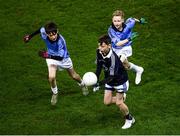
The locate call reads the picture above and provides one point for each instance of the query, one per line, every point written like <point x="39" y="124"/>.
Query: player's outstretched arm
<point x="96" y="87"/>
<point x="28" y="37"/>
<point x="141" y="20"/>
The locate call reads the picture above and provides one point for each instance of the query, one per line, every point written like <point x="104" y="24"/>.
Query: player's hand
<point x="27" y="38"/>
<point x="133" y="36"/>
<point x="142" y="21"/>
<point x="43" y="54"/>
<point x="96" y="87"/>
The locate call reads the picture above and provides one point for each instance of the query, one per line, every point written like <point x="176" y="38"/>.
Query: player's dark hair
<point x="104" y="39"/>
<point x="51" y="27"/>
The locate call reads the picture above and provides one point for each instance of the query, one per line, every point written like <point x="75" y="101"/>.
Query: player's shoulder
<point x="98" y="52"/>
<point x="61" y="41"/>
<point x="42" y="30"/>
<point x="99" y="55"/>
<point x="43" y="33"/>
<point x="110" y="28"/>
<point x="61" y="36"/>
<point x="129" y="20"/>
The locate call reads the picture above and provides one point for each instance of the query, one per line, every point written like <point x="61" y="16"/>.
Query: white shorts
<point x="126" y="50"/>
<point x="66" y="63"/>
<point x="120" y="88"/>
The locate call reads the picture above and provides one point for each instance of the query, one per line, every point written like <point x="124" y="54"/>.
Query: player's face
<point x="52" y="36"/>
<point x="117" y="21"/>
<point x="104" y="48"/>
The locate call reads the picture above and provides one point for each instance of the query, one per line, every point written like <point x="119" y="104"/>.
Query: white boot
<point x="84" y="88"/>
<point x="138" y="75"/>
<point x="139" y="70"/>
<point x="128" y="123"/>
<point x="54" y="99"/>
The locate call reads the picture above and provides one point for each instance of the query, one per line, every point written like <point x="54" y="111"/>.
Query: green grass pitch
<point x="25" y="93"/>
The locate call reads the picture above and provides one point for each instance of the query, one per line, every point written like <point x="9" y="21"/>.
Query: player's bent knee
<point x="126" y="65"/>
<point x="119" y="103"/>
<point x="107" y="103"/>
<point x="51" y="78"/>
<point x="123" y="57"/>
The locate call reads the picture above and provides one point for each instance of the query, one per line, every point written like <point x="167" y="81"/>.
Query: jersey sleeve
<point x="43" y="33"/>
<point x="62" y="45"/>
<point x="99" y="64"/>
<point x="130" y="22"/>
<point x="112" y="34"/>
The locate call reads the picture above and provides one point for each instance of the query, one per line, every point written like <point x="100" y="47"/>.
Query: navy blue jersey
<point x="113" y="68"/>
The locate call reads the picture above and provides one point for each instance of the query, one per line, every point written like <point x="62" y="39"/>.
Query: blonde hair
<point x="118" y="13"/>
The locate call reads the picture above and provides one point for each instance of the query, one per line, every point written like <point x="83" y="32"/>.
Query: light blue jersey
<point x="56" y="48"/>
<point x="117" y="35"/>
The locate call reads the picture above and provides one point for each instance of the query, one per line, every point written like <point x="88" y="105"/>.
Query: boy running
<point x="121" y="36"/>
<point x="57" y="57"/>
<point x="116" y="78"/>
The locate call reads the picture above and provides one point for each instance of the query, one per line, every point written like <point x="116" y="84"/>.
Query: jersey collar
<point x="108" y="55"/>
<point x="54" y="41"/>
<point x="115" y="29"/>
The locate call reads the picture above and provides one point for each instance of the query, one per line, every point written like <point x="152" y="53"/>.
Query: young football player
<point x="116" y="78"/>
<point x="57" y="57"/>
<point x="122" y="36"/>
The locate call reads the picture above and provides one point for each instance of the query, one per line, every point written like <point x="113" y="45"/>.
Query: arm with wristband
<point x="28" y="37"/>
<point x="133" y="36"/>
<point x="41" y="53"/>
<point x="141" y="20"/>
<point x="102" y="82"/>
<point x="44" y="54"/>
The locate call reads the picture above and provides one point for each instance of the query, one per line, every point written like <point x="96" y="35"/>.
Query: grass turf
<point x="24" y="91"/>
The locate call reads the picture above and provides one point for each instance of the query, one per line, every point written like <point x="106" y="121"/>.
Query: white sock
<point x="54" y="90"/>
<point x="134" y="67"/>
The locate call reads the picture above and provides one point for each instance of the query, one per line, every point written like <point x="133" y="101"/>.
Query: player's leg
<point x="52" y="76"/>
<point x="52" y="80"/>
<point x="124" y="53"/>
<point x="120" y="96"/>
<point x="125" y="62"/>
<point x="67" y="64"/>
<point x="138" y="69"/>
<point x="129" y="120"/>
<point x="52" y="68"/>
<point x="72" y="73"/>
<point x="120" y="103"/>
<point x="77" y="78"/>
<point x="108" y="99"/>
